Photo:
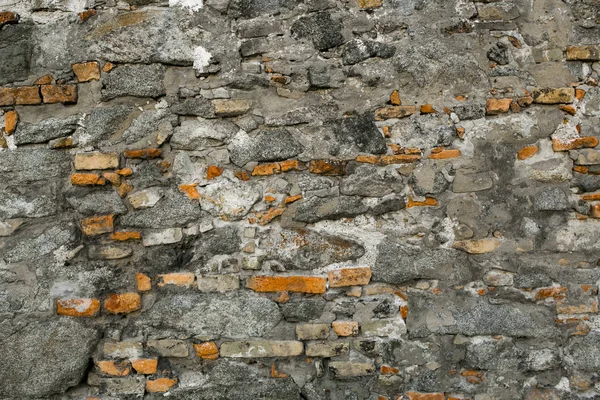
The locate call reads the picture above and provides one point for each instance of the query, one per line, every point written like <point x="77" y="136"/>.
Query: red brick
<point x="97" y="225"/>
<point x="297" y="284"/>
<point x="87" y="180"/>
<point x="349" y="277"/>
<point x="78" y="307"/>
<point x="59" y="93"/>
<point x="123" y="303"/>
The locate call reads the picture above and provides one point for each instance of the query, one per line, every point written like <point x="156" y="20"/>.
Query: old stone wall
<point x="299" y="199"/>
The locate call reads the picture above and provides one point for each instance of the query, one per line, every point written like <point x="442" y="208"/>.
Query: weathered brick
<point x="143" y="282"/>
<point x="428" y="202"/>
<point x="78" y="307"/>
<point x="477" y="246"/>
<point x="59" y="93"/>
<point x="97" y="225"/>
<point x="574" y="143"/>
<point x="348" y="369"/>
<point x="387" y="370"/>
<point x="312" y="331"/>
<point x="266" y="169"/>
<point x="27" y="95"/>
<point x="390" y="112"/>
<point x="87" y="180"/>
<point x="583" y="53"/>
<point x="327" y="349"/>
<point x="444" y="154"/>
<point x="527" y="152"/>
<point x="123" y="303"/>
<point x="230" y="108"/>
<point x="553" y="95"/>
<point x="160" y="385"/>
<point x="8" y="17"/>
<point x="7" y="96"/>
<point x="218" y="283"/>
<point x="299" y="284"/>
<point x="349" y="277"/>
<point x="213" y="171"/>
<point x="145" y="366"/>
<point x="44" y="80"/>
<point x="169" y="347"/>
<point x="345" y="328"/>
<point x="497" y="106"/>
<point x="182" y="279"/>
<point x="126" y="235"/>
<point x="145" y="154"/>
<point x="190" y="190"/>
<point x="114" y="368"/>
<point x="87" y="71"/>
<point x="328" y="167"/>
<point x="369" y="5"/>
<point x="261" y="348"/>
<point x="96" y="160"/>
<point x="86" y="14"/>
<point x="10" y="121"/>
<point x="398" y="159"/>
<point x="207" y="350"/>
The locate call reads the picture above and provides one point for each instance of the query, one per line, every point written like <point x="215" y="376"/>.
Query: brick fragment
<point x="242" y="175"/>
<point x="398" y="159"/>
<point x="296" y="284"/>
<point x="87" y="14"/>
<point x="497" y="106"/>
<point x="27" y="95"/>
<point x="579" y="94"/>
<point x="59" y="94"/>
<point x="369" y="4"/>
<point x="387" y="370"/>
<point x="160" y="385"/>
<point x="568" y="109"/>
<point x="10" y="121"/>
<point x="395" y="98"/>
<point x="553" y="95"/>
<point x="78" y="307"/>
<point x="207" y="350"/>
<point x="349" y="277"/>
<point x="381" y="114"/>
<point x="213" y="171"/>
<point x="269" y="215"/>
<point x="112" y="177"/>
<point x="169" y="347"/>
<point x="345" y="328"/>
<point x="291" y="165"/>
<point x="96" y="160"/>
<point x="348" y="369"/>
<point x="44" y="80"/>
<point x="126" y="235"/>
<point x="61" y="143"/>
<point x="527" y="152"/>
<point x="145" y="366"/>
<point x="265" y="170"/>
<point x="123" y="303"/>
<point x="143" y="282"/>
<point x="574" y="143"/>
<point x="190" y="190"/>
<point x="181" y="279"/>
<point x="477" y="246"/>
<point x="87" y="180"/>
<point x="97" y="225"/>
<point x="87" y="71"/>
<point x="114" y="368"/>
<point x="445" y="154"/>
<point x="427" y="109"/>
<point x="230" y="108"/>
<point x="425" y="396"/>
<point x="7" y="96"/>
<point x="595" y="210"/>
<point x="328" y="167"/>
<point x="8" y="17"/>
<point x="583" y="53"/>
<point x="144" y="154"/>
<point x="428" y="202"/>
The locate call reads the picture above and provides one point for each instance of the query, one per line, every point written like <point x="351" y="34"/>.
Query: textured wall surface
<point x="299" y="199"/>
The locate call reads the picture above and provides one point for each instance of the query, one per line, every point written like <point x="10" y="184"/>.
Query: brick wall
<point x="318" y="200"/>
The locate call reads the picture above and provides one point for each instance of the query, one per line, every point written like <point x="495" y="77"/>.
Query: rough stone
<point x="320" y="28"/>
<point x="359" y="134"/>
<point x="271" y="145"/>
<point x="46" y="130"/>
<point x="197" y="134"/>
<point x="134" y="80"/>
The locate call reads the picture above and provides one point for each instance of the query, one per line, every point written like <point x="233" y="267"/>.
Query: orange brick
<point x="575" y="143"/>
<point x="527" y="152"/>
<point x="143" y="282"/>
<point x="425" y="396"/>
<point x="44" y="80"/>
<point x="497" y="106"/>
<point x="143" y="153"/>
<point x="445" y="154"/>
<point x="460" y="132"/>
<point x="85" y="15"/>
<point x="145" y="366"/>
<point x="269" y="199"/>
<point x="266" y="169"/>
<point x="125" y="189"/>
<point x="579" y="94"/>
<point x="28" y="95"/>
<point x="404" y="311"/>
<point x="242" y="175"/>
<point x="328" y="167"/>
<point x="10" y="121"/>
<point x="591" y="197"/>
<point x="123" y="303"/>
<point x="112" y="177"/>
<point x="207" y="350"/>
<point x="213" y="171"/>
<point x="181" y="279"/>
<point x="297" y="284"/>
<point x="428" y="202"/>
<point x="349" y="277"/>
<point x="395" y="98"/>
<point x="390" y="112"/>
<point x="124" y="171"/>
<point x="111" y="367"/>
<point x="387" y="370"/>
<point x="87" y="71"/>
<point x="160" y="385"/>
<point x="8" y="17"/>
<point x="87" y="179"/>
<point x="369" y="4"/>
<point x="427" y="109"/>
<point x="7" y="96"/>
<point x="555" y="292"/>
<point x="265" y="217"/>
<point x="107" y="67"/>
<point x="62" y="143"/>
<point x="345" y="328"/>
<point x="568" y="109"/>
<point x="126" y="235"/>
<point x="595" y="210"/>
<point x="78" y="307"/>
<point x="291" y="165"/>
<point x="97" y="225"/>
<point x="399" y="159"/>
<point x="582" y="169"/>
<point x="275" y="373"/>
<point x="190" y="190"/>
<point x="368" y="159"/>
<point x="59" y="93"/>
<point x="292" y="199"/>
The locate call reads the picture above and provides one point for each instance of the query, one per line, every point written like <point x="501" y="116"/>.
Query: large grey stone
<point x="150" y="122"/>
<point x="211" y="315"/>
<point x="271" y="145"/>
<point x="197" y="134"/>
<point x="174" y="209"/>
<point x="46" y="130"/>
<point x="53" y="238"/>
<point x="584" y="353"/>
<point x="45" y="358"/>
<point x="303" y="309"/>
<point x="466" y="181"/>
<point x="134" y="80"/>
<point x="27" y="202"/>
<point x="15" y="52"/>
<point x="358" y="50"/>
<point x="27" y="165"/>
<point x="93" y="202"/>
<point x="306" y="249"/>
<point x="104" y="122"/>
<point x="359" y="134"/>
<point x="371" y="181"/>
<point x="316" y="209"/>
<point x="218" y="241"/>
<point x="323" y="31"/>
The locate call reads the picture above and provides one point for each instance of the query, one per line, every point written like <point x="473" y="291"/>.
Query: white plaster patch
<point x="191" y="5"/>
<point x="163" y="236"/>
<point x="201" y="59"/>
